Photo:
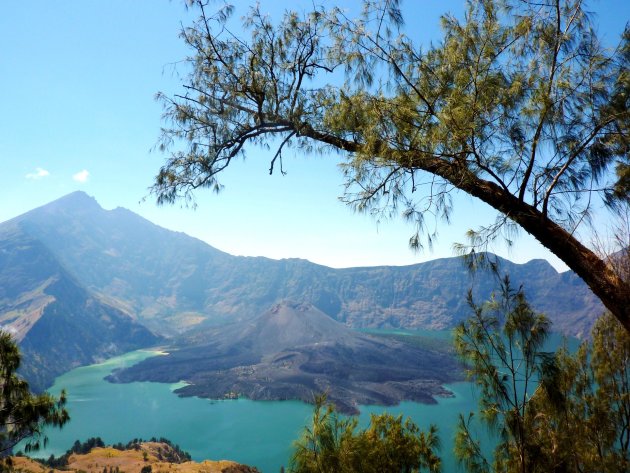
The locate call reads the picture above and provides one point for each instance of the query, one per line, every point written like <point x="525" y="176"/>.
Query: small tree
<point x="582" y="420"/>
<point x="551" y="412"/>
<point x="23" y="415"/>
<point x="333" y="444"/>
<point x="502" y="345"/>
<point x="610" y="368"/>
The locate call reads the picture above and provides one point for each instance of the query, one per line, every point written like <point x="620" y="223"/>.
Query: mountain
<point x="173" y="283"/>
<point x="79" y="283"/>
<point x="143" y="269"/>
<point x="58" y="323"/>
<point x="294" y="351"/>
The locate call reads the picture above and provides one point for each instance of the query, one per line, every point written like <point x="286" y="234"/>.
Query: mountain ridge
<point x="71" y="259"/>
<point x="168" y="279"/>
<point x="58" y="324"/>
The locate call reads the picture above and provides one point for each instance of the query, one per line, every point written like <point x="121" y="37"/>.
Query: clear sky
<point x="77" y="86"/>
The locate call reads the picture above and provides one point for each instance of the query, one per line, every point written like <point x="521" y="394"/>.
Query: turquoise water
<point x="256" y="433"/>
<point x="446" y="334"/>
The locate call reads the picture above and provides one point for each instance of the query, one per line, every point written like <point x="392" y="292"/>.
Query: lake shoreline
<point x="256" y="433"/>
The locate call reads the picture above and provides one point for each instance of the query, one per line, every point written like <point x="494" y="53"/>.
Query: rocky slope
<point x="172" y="283"/>
<point x="58" y="324"/>
<point x="295" y="351"/>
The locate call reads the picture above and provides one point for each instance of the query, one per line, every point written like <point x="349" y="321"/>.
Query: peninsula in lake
<point x="295" y="351"/>
<point x="79" y="284"/>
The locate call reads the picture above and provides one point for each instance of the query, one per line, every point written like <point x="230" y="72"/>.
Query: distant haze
<point x="73" y="253"/>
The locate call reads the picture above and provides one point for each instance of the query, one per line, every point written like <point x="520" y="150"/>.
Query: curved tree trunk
<point x="602" y="280"/>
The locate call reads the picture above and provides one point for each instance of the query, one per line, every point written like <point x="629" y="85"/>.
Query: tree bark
<point x="601" y="279"/>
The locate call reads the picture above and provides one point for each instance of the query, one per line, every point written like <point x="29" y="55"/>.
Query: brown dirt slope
<point x="132" y="461"/>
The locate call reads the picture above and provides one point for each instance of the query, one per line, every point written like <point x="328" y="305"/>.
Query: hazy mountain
<point x="59" y="324"/>
<point x="294" y="351"/>
<point x="171" y="282"/>
<point x="142" y="268"/>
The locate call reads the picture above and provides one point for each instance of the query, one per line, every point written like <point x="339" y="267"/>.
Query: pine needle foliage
<point x="582" y="420"/>
<point x="519" y="104"/>
<point x="333" y="444"/>
<point x="550" y="412"/>
<point x="502" y="345"/>
<point x="23" y="415"/>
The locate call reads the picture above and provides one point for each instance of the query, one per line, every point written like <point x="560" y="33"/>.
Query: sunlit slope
<point x="59" y="324"/>
<point x="173" y="283"/>
<point x="160" y="457"/>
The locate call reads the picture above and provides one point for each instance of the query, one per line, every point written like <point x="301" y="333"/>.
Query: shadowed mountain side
<point x="57" y="323"/>
<point x="295" y="351"/>
<point x="173" y="283"/>
<point x="143" y="269"/>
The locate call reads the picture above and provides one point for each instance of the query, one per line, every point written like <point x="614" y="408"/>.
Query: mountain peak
<point x="74" y="205"/>
<point x="291" y="323"/>
<point x="74" y="201"/>
<point x="290" y="305"/>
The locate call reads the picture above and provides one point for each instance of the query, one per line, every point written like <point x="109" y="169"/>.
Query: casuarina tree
<point x="23" y="415"/>
<point x="519" y="105"/>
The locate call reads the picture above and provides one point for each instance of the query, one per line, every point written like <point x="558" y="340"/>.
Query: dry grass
<point x="130" y="461"/>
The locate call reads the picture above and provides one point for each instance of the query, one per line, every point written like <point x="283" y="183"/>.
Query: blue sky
<point x="77" y="83"/>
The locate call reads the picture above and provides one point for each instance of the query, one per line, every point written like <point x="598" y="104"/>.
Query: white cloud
<point x="81" y="176"/>
<point x="37" y="174"/>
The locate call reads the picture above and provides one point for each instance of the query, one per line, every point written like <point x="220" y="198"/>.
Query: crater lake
<point x="256" y="433"/>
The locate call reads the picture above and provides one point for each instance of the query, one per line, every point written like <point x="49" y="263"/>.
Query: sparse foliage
<point x="23" y="415"/>
<point x="502" y="344"/>
<point x="550" y="412"/>
<point x="519" y="105"/>
<point x="333" y="444"/>
<point x="583" y="414"/>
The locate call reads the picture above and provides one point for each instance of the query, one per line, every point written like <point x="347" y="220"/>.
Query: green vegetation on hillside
<point x="333" y="444"/>
<point x="173" y="454"/>
<point x="549" y="412"/>
<point x="77" y="447"/>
